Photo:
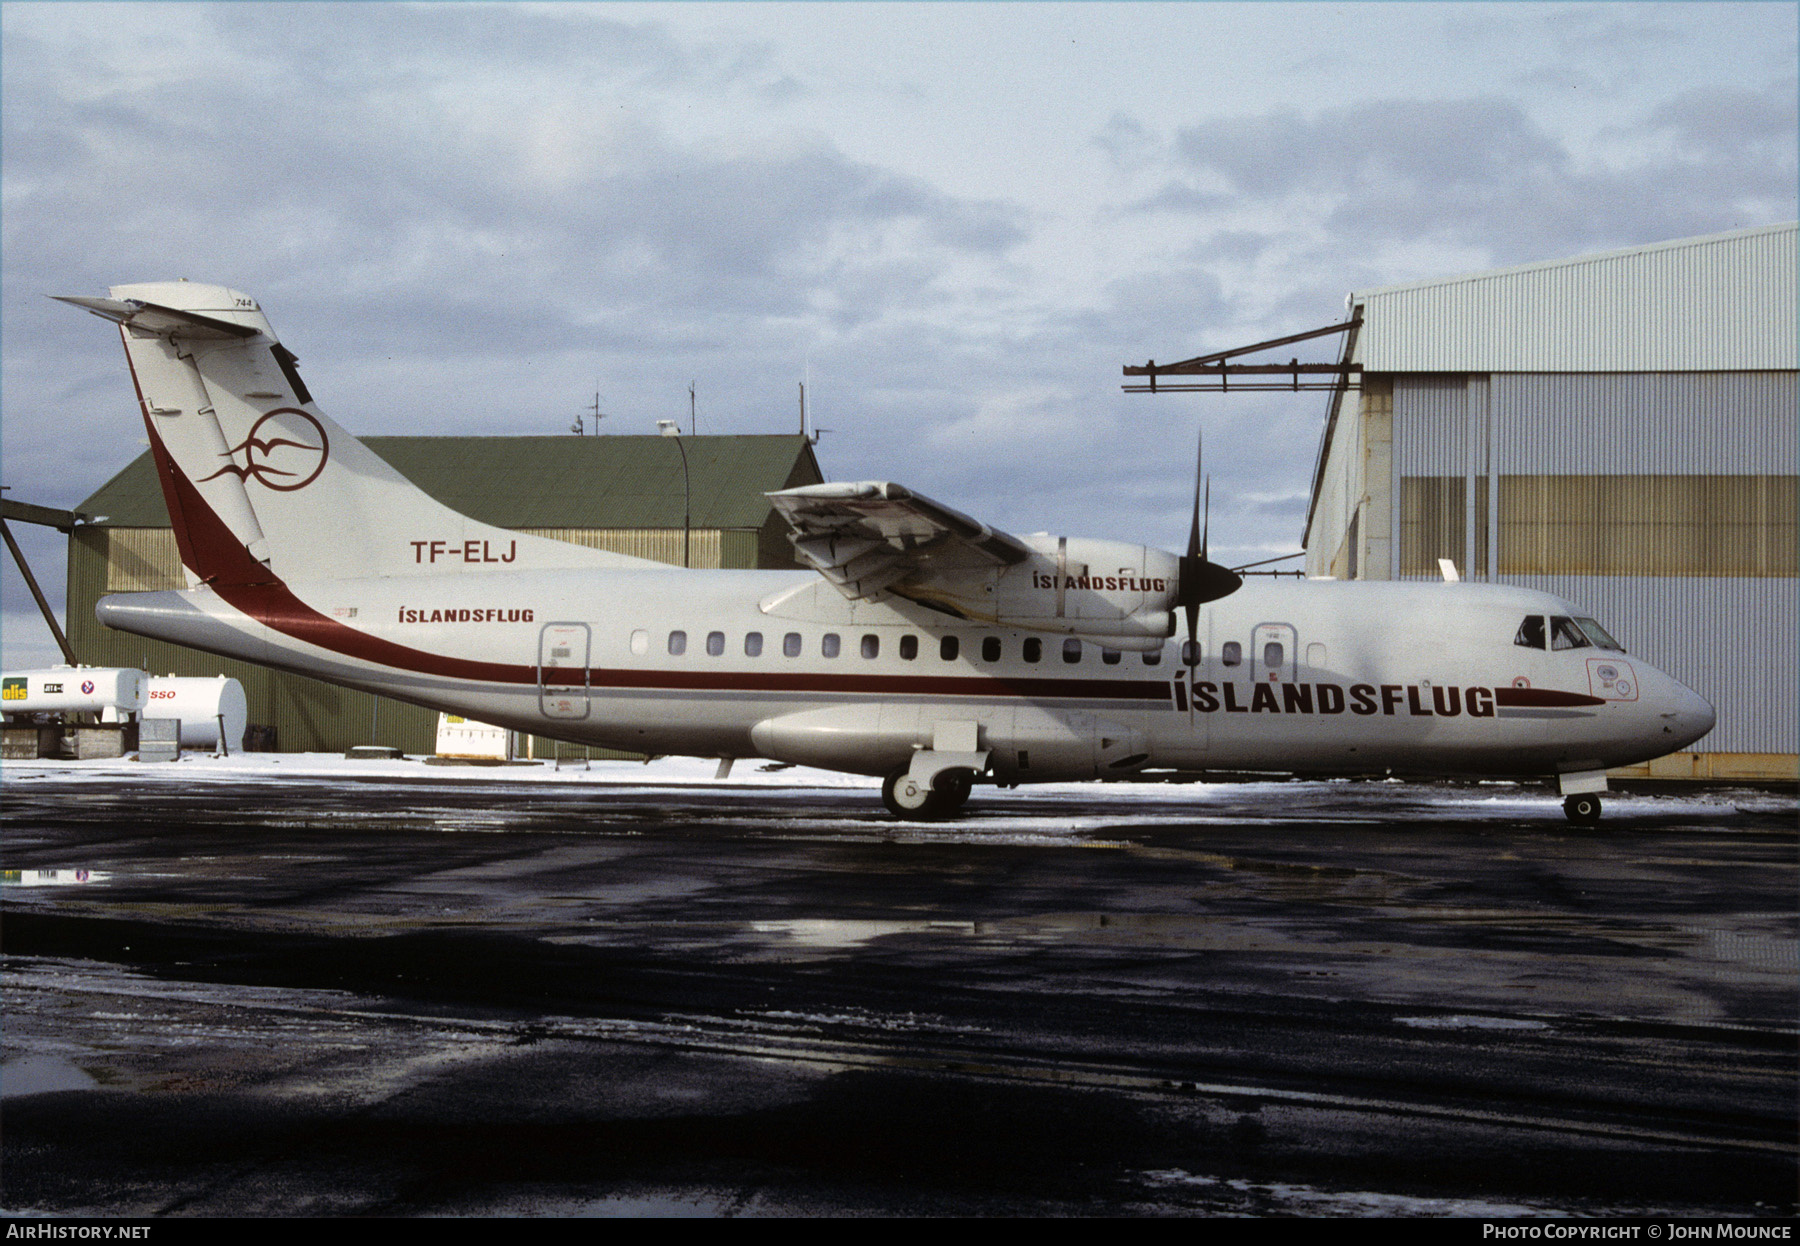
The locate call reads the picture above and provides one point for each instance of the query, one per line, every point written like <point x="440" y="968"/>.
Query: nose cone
<point x="1688" y="716"/>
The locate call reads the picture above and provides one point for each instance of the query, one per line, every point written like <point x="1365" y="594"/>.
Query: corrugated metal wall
<point x="1723" y="303"/>
<point x="707" y="547"/>
<point x="1442" y="429"/>
<point x="1732" y="641"/>
<point x="1720" y="423"/>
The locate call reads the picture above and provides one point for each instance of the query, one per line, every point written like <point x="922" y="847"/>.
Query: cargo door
<point x="563" y="670"/>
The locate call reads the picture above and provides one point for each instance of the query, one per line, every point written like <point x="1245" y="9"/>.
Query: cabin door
<point x="563" y="670"/>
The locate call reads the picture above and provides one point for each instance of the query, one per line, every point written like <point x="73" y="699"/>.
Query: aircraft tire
<point x="907" y="800"/>
<point x="952" y="791"/>
<point x="1583" y="809"/>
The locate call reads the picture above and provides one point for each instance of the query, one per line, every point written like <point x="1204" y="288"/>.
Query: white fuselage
<point x="1295" y="676"/>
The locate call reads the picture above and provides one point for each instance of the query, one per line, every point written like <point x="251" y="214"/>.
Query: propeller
<point x="1199" y="580"/>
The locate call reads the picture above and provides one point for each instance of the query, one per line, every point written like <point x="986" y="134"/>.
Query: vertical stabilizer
<point x="263" y="486"/>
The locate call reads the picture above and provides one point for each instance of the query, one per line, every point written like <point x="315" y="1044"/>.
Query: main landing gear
<point x="1583" y="809"/>
<point x="912" y="801"/>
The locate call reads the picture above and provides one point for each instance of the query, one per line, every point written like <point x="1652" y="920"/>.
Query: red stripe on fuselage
<point x="1542" y="698"/>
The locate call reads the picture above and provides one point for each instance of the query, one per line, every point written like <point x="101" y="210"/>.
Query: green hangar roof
<point x="552" y="482"/>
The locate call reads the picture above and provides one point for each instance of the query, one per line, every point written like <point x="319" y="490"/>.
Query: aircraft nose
<point x="1688" y="716"/>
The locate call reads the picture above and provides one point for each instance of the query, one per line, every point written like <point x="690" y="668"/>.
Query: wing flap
<point x="869" y="538"/>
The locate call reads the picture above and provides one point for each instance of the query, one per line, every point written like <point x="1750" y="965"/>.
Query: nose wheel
<point x="1583" y="809"/>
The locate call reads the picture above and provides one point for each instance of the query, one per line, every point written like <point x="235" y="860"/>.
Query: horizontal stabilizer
<point x="159" y="320"/>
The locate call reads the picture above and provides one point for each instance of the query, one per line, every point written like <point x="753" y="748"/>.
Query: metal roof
<point x="552" y="482"/>
<point x="1724" y="302"/>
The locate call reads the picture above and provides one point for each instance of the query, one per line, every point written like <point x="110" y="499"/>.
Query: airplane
<point x="914" y="643"/>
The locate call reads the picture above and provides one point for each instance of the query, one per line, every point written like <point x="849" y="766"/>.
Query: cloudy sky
<point x="957" y="221"/>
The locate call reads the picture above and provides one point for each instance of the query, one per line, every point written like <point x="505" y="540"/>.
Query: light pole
<point x="669" y="428"/>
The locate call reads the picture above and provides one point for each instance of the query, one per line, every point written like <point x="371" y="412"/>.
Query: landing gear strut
<point x="910" y="800"/>
<point x="1583" y="809"/>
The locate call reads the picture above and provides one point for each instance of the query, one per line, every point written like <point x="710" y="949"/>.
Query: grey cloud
<point x="411" y="205"/>
<point x="1175" y="196"/>
<point x="1128" y="142"/>
<point x="1390" y="143"/>
<point x="340" y="46"/>
<point x="1482" y="173"/>
<point x="1721" y="124"/>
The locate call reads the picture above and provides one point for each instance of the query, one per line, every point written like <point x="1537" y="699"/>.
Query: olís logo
<point x="286" y="450"/>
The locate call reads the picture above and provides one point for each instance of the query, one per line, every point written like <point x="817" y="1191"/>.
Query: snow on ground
<point x="249" y="767"/>
<point x="1275" y="797"/>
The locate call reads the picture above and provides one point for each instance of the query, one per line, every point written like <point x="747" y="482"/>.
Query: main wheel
<point x="908" y="799"/>
<point x="952" y="791"/>
<point x="1583" y="809"/>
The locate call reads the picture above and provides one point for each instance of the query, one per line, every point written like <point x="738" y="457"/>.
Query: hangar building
<point x="618" y="493"/>
<point x="1617" y="429"/>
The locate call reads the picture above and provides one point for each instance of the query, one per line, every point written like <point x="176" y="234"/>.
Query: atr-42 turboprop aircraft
<point x="927" y="648"/>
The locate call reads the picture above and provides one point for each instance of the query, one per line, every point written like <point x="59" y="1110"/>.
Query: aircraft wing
<point x="870" y="538"/>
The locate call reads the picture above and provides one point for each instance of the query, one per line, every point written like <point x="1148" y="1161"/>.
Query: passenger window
<point x="1110" y="656"/>
<point x="1071" y="650"/>
<point x="640" y="642"/>
<point x="828" y="645"/>
<point x="1564" y="634"/>
<point x="1274" y="654"/>
<point x="790" y="645"/>
<point x="1190" y="653"/>
<point x="947" y="649"/>
<point x="1034" y="649"/>
<point x="1531" y="632"/>
<point x="753" y="644"/>
<point x="871" y="646"/>
<point x="715" y="644"/>
<point x="677" y="643"/>
<point x="990" y="648"/>
<point x="909" y="647"/>
<point x="1231" y="653"/>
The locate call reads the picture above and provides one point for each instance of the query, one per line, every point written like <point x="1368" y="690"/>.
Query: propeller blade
<point x="1206" y="530"/>
<point x="1199" y="579"/>
<point x="1194" y="548"/>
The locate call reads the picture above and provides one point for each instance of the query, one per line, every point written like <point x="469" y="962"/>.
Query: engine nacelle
<point x="1123" y="595"/>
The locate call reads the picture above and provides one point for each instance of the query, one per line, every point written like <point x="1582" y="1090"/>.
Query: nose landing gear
<point x="1583" y="809"/>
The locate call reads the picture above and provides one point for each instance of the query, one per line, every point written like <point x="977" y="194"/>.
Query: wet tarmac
<point x="470" y="996"/>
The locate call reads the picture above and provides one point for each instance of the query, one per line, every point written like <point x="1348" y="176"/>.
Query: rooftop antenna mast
<point x="814" y="439"/>
<point x="594" y="410"/>
<point x="693" y="419"/>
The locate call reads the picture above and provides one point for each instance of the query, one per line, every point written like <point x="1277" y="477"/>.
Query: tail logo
<point x="289" y="457"/>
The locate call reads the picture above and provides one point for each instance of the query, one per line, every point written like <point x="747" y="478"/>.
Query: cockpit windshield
<point x="1599" y="636"/>
<point x="1563" y="632"/>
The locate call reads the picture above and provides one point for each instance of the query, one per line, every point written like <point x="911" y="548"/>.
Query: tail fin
<point x="260" y="484"/>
